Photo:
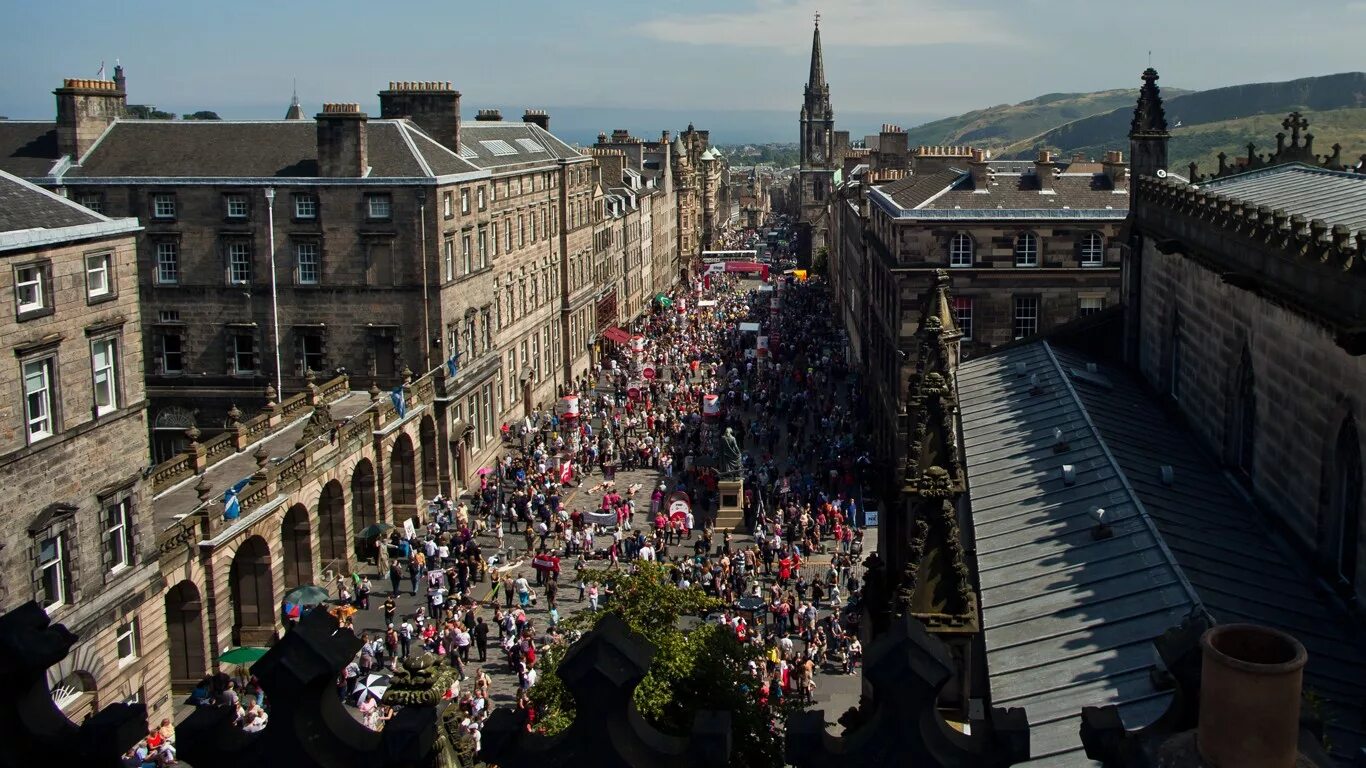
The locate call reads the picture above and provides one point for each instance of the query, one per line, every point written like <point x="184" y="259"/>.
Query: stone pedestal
<point x="730" y="512"/>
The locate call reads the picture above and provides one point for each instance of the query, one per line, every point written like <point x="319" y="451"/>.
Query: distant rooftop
<point x="1336" y="197"/>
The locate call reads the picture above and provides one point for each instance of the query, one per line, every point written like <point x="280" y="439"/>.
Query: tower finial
<point x="818" y="19"/>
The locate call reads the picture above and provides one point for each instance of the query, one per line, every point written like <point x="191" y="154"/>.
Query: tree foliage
<point x="203" y="114"/>
<point x="148" y="112"/>
<point x="696" y="669"/>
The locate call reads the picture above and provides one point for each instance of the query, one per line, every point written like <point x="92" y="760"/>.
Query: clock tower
<point x="818" y="163"/>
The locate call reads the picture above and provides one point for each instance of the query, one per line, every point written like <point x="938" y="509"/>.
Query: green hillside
<point x="1206" y="122"/>
<point x="1006" y="124"/>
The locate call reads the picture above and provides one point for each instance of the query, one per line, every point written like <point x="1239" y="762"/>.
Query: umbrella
<point x="244" y="655"/>
<point x="484" y="471"/>
<point x="308" y="594"/>
<point x="375" y="530"/>
<point x="373" y="685"/>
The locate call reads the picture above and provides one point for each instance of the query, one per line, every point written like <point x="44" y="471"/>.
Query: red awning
<point x="616" y="334"/>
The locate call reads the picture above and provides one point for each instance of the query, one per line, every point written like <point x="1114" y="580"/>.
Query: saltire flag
<point x="566" y="472"/>
<point x="400" y="405"/>
<point x="453" y="364"/>
<point x="232" y="508"/>
<point x="100" y="75"/>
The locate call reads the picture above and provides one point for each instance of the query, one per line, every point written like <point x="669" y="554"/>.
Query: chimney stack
<point x="539" y="117"/>
<point x="343" y="146"/>
<point x="1113" y="166"/>
<point x="977" y="166"/>
<point x="1250" y="686"/>
<point x="433" y="106"/>
<point x="489" y="116"/>
<point x="85" y="108"/>
<point x="1043" y="170"/>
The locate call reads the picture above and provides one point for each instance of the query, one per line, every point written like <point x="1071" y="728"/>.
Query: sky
<point x="737" y="64"/>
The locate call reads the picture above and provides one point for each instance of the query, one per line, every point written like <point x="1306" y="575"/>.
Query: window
<point x="464" y="201"/>
<point x="1345" y="502"/>
<point x="487" y="411"/>
<point x="507" y="230"/>
<point x="1092" y="250"/>
<point x="485" y="331"/>
<point x="499" y="392"/>
<point x="239" y="263"/>
<point x="493" y="237"/>
<point x="446" y="206"/>
<point x="38" y="399"/>
<point x="533" y="227"/>
<point x="521" y="227"/>
<point x="535" y="355"/>
<point x="104" y="362"/>
<point x="1026" y="251"/>
<point x="97" y="275"/>
<point x="306" y="257"/>
<point x="311" y="352"/>
<point x="474" y="420"/>
<point x="448" y="257"/>
<point x="379" y="207"/>
<point x="163" y="206"/>
<point x="128" y="640"/>
<point x="305" y="206"/>
<point x="118" y="534"/>
<point x="479" y="198"/>
<point x="1090" y="305"/>
<point x="453" y="338"/>
<point x="171" y="358"/>
<point x="960" y="250"/>
<point x="55" y="575"/>
<point x="243" y="354"/>
<point x="962" y="310"/>
<point x="465" y="255"/>
<point x="483" y="248"/>
<point x="168" y="263"/>
<point x="1026" y="316"/>
<point x="29" y="288"/>
<point x="1244" y="413"/>
<point x="92" y="200"/>
<point x="237" y="206"/>
<point x="512" y="376"/>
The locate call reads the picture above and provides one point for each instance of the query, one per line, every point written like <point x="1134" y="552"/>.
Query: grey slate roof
<point x="25" y="206"/>
<point x="953" y="191"/>
<point x="529" y="144"/>
<point x="256" y="149"/>
<point x="1315" y="193"/>
<point x="28" y="148"/>
<point x="1242" y="569"/>
<point x="1068" y="620"/>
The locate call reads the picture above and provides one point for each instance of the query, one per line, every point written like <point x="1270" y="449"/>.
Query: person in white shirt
<point x="647" y="552"/>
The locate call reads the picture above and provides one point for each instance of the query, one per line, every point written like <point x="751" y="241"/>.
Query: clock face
<point x="817" y="154"/>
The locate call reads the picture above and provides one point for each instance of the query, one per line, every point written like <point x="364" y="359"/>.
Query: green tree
<point x="148" y="112"/>
<point x="202" y="114"/>
<point x="702" y="668"/>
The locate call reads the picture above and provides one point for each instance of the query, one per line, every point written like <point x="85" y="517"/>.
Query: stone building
<point x="1238" y="282"/>
<point x="1030" y="245"/>
<point x="822" y="149"/>
<point x="275" y="248"/>
<point x="646" y="173"/>
<point x="703" y="195"/>
<point x="78" y="535"/>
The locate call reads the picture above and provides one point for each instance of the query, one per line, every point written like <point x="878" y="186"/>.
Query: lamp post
<point x="274" y="293"/>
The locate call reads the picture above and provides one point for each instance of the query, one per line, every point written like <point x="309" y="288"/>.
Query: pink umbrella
<point x="484" y="471"/>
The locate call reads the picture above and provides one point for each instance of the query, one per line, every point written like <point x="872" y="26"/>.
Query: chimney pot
<point x="1250" y="685"/>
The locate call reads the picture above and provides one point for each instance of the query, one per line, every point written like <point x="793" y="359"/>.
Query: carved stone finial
<point x="203" y="490"/>
<point x="261" y="455"/>
<point x="271" y="394"/>
<point x="374" y="392"/>
<point x="193" y="433"/>
<point x="407" y="374"/>
<point x="234" y="415"/>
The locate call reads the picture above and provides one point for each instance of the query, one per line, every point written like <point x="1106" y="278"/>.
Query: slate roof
<point x="528" y="142"/>
<point x="1241" y="568"/>
<point x="28" y="148"/>
<point x="256" y="149"/>
<point x="1068" y="620"/>
<point x="952" y="192"/>
<point x="1315" y="193"/>
<point x="25" y="206"/>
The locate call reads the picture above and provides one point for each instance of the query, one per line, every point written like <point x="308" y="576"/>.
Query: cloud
<point x="786" y="24"/>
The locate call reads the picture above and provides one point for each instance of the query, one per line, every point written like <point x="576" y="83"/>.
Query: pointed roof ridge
<point x="817" y="77"/>
<point x="1149" y="116"/>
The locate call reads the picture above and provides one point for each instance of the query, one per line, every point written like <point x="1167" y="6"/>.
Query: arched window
<point x="1174" y="361"/>
<point x="1026" y="250"/>
<point x="1346" y="499"/>
<point x="1244" y="433"/>
<point x="960" y="250"/>
<point x="1092" y="249"/>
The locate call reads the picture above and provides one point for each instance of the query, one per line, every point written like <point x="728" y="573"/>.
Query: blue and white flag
<point x="453" y="364"/>
<point x="400" y="405"/>
<point x="232" y="508"/>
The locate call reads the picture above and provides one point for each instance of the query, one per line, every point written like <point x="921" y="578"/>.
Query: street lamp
<point x="274" y="292"/>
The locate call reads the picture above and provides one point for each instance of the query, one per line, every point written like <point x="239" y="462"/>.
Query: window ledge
<point x="34" y="314"/>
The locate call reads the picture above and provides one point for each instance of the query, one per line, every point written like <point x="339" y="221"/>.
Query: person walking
<point x="481" y="638"/>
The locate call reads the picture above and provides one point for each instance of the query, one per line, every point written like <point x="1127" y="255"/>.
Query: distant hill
<point x="1006" y="124"/>
<point x="1223" y="119"/>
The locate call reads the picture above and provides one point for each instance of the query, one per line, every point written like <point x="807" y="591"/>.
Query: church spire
<point x="1148" y="134"/>
<point x="817" y="78"/>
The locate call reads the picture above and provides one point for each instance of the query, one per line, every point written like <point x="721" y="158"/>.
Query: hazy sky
<point x="922" y="57"/>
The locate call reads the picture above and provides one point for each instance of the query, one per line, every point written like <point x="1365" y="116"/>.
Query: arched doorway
<point x="363" y="496"/>
<point x="185" y="636"/>
<point x="253" y="596"/>
<point x="403" y="479"/>
<point x="332" y="523"/>
<point x="297" y="545"/>
<point x="427" y="434"/>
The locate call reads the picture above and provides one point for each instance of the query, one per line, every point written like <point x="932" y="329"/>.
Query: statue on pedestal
<point x="728" y="464"/>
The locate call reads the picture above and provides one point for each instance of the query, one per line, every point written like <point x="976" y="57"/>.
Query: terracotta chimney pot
<point x="1251" y="679"/>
